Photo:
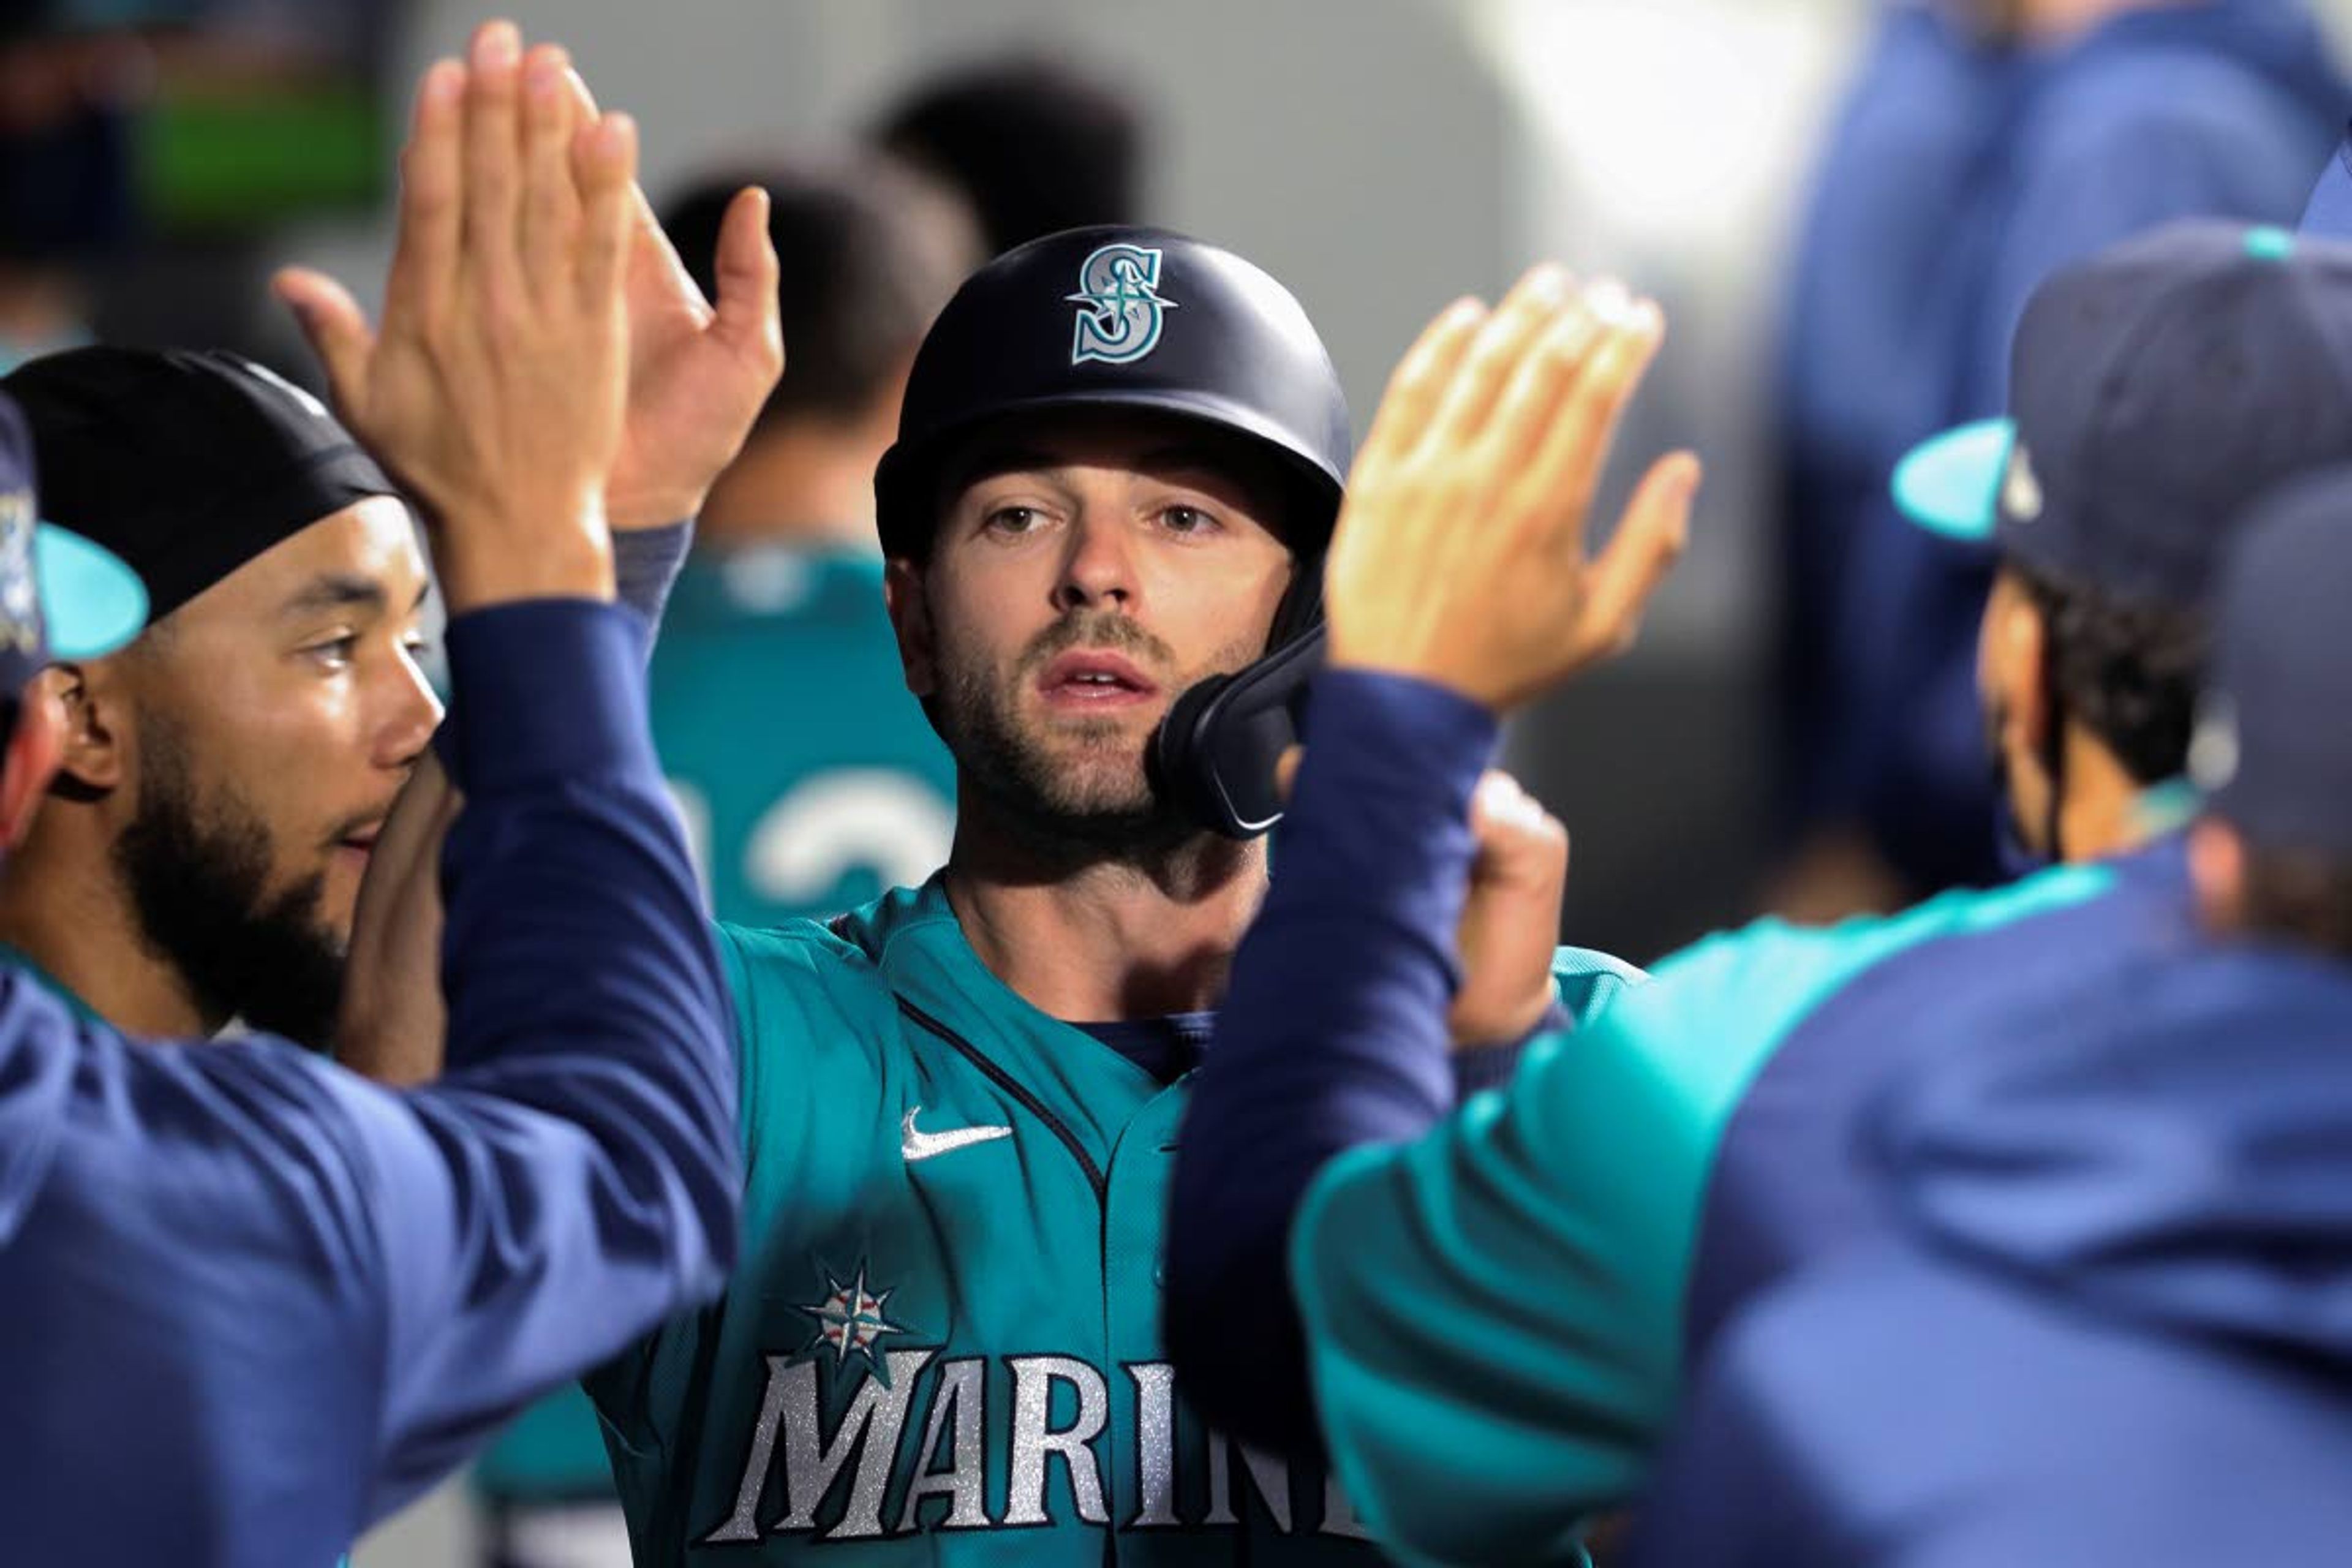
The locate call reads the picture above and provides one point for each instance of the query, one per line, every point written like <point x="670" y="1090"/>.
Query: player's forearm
<point x="1334" y="1030"/>
<point x="582" y="984"/>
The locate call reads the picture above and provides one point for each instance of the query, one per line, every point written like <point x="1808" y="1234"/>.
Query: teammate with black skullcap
<point x="1120" y="461"/>
<point x="224" y="779"/>
<point x="248" y="1303"/>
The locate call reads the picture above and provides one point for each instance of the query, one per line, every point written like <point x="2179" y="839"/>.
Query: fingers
<point x="1419" y="381"/>
<point x="334" y="324"/>
<point x="1286" y="772"/>
<point x="1565" y="464"/>
<point x="605" y="165"/>
<point x="424" y="252"/>
<point x="749" y="304"/>
<point x="1495" y="354"/>
<point x="549" y="209"/>
<point x="1649" y="539"/>
<point x="1501" y="806"/>
<point x="490" y="149"/>
<point x="1555" y="358"/>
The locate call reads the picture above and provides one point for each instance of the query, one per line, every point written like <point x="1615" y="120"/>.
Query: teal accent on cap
<point x="92" y="603"/>
<point x="1950" y="484"/>
<point x="2269" y="243"/>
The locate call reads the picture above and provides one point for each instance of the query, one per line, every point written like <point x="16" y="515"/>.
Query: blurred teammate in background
<point x="1984" y="144"/>
<point x="2124" y="1202"/>
<point x="1036" y="143"/>
<point x="855" y="795"/>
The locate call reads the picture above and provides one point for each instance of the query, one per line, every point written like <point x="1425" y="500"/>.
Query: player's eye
<point x="1013" y="521"/>
<point x="1188" y="519"/>
<point x="333" y="653"/>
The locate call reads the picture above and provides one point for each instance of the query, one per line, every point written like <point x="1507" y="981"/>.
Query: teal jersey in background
<point x="1497" y="1315"/>
<point x="942" y="1342"/>
<point x="810" y="782"/>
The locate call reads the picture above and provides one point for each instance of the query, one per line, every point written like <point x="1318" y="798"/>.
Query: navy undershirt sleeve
<point x="1333" y="1033"/>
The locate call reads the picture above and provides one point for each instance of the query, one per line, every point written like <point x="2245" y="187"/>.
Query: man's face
<point x="1085" y="571"/>
<point x="275" y="717"/>
<point x="2011" y="647"/>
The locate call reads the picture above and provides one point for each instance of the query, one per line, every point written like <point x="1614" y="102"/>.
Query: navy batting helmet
<point x="1118" y="316"/>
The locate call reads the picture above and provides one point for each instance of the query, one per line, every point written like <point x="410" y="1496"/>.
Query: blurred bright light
<point x="1671" y="121"/>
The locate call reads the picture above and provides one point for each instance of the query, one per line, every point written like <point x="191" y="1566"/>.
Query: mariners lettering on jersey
<point x="849" y="1446"/>
<point x="1121" y="309"/>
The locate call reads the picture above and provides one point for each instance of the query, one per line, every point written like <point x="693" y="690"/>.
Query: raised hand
<point x="1461" y="552"/>
<point x="699" y="376"/>
<point x="1510" y="921"/>
<point x="495" y="388"/>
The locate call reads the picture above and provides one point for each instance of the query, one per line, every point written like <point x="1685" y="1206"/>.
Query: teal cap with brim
<point x="92" y="601"/>
<point x="1950" y="484"/>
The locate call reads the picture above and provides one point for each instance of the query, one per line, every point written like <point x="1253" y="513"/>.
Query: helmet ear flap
<point x="1215" y="755"/>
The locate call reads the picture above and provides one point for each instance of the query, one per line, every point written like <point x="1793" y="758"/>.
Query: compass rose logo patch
<point x="851" y="1318"/>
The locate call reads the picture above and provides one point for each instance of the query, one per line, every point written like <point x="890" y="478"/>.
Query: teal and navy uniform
<point x="942" y="1342"/>
<point x="810" y="782"/>
<point x="1497" y="1314"/>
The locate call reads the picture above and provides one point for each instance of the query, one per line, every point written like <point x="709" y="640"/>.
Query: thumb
<point x="336" y="327"/>
<point x="1648" y="542"/>
<point x="746" y="274"/>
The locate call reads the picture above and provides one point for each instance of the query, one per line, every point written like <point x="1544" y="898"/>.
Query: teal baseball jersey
<point x="809" y="779"/>
<point x="1498" y="1314"/>
<point x="942" y="1342"/>
<point x="809" y="782"/>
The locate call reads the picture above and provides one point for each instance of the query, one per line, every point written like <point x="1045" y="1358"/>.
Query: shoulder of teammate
<point x="1578" y="1184"/>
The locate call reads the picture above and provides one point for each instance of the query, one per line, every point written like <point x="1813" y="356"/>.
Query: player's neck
<point x="2057" y="24"/>
<point x="1114" y="937"/>
<point x="79" y="927"/>
<point x="2102" y="815"/>
<point x="800" y="485"/>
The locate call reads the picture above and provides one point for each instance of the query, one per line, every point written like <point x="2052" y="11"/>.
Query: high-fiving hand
<point x="495" y="387"/>
<point x="1460" y="555"/>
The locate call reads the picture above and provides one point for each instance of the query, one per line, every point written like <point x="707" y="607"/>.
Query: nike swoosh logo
<point x="917" y="1144"/>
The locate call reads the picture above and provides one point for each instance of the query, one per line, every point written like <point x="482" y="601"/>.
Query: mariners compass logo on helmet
<point x="1120" y="308"/>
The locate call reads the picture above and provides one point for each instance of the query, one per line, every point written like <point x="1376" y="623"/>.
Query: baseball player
<point x="1544" y="1261"/>
<point x="250" y="1303"/>
<point x="2118" y="1274"/>
<point x="230" y="775"/>
<point x="1120" y="459"/>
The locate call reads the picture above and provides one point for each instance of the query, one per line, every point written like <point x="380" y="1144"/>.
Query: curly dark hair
<point x="2128" y="672"/>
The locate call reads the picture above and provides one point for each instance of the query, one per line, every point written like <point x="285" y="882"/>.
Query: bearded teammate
<point x="1118" y="464"/>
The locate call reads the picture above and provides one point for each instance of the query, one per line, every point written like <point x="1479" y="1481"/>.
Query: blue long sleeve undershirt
<point x="1333" y="1033"/>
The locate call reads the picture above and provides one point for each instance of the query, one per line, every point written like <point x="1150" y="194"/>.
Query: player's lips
<point x="360" y="840"/>
<point x="1093" y="678"/>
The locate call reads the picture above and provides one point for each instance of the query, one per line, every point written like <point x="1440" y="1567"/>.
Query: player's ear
<point x="2012" y="652"/>
<point x="94" y="708"/>
<point x="910" y="619"/>
<point x="2217" y="868"/>
<point x="30" y="759"/>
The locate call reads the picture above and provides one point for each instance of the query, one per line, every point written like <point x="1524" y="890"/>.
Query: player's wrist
<point x="544" y="551"/>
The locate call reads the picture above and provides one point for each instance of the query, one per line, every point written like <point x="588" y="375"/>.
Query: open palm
<point x="697" y="374"/>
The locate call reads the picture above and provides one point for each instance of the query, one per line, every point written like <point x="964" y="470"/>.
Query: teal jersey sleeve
<point x="1494" y="1313"/>
<point x="1589" y="983"/>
